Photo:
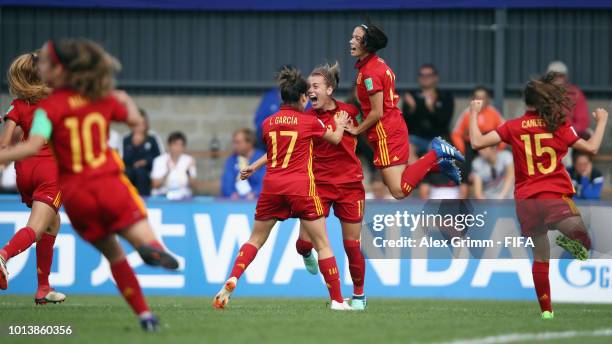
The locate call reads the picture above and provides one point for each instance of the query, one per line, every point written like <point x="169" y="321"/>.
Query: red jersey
<point x="537" y="155"/>
<point x="336" y="164"/>
<point x="375" y="76"/>
<point x="289" y="134"/>
<point x="22" y="113"/>
<point x="80" y="133"/>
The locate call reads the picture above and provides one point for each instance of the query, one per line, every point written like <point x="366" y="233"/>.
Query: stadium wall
<point x="205" y="235"/>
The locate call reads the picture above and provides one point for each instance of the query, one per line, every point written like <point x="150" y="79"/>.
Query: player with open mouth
<point x="383" y="122"/>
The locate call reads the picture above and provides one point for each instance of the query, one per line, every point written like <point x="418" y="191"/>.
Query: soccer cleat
<point x="223" y="296"/>
<point x="157" y="257"/>
<point x="150" y="323"/>
<point x="48" y="295"/>
<point x="445" y="150"/>
<point x="450" y="169"/>
<point x="359" y="303"/>
<point x="574" y="247"/>
<point x="3" y="274"/>
<point x="340" y="306"/>
<point x="311" y="263"/>
<point x="546" y="315"/>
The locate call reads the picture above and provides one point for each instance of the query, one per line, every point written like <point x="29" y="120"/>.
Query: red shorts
<point x="282" y="207"/>
<point x="538" y="212"/>
<point x="392" y="147"/>
<point x="347" y="199"/>
<point x="37" y="181"/>
<point x="103" y="206"/>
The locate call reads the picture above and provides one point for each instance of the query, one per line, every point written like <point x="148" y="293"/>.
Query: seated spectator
<point x="174" y="173"/>
<point x="378" y="189"/>
<point x="578" y="116"/>
<point x="428" y="111"/>
<point x="150" y="133"/>
<point x="139" y="150"/>
<point x="587" y="180"/>
<point x="270" y="103"/>
<point x="437" y="185"/>
<point x="493" y="174"/>
<point x="244" y="154"/>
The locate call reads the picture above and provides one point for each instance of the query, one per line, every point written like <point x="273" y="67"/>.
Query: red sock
<point x="128" y="286"/>
<point x="329" y="270"/>
<point x="413" y="174"/>
<point x="20" y="242"/>
<point x="303" y="247"/>
<point x="44" y="258"/>
<point x="542" y="285"/>
<point x="245" y="256"/>
<point x="356" y="264"/>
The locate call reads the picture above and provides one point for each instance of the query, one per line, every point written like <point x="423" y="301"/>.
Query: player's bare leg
<point x="575" y="238"/>
<point x="248" y="252"/>
<point x="304" y="248"/>
<point x="541" y="257"/>
<point x="351" y="235"/>
<point x="126" y="281"/>
<point x="327" y="262"/>
<point x="141" y="236"/>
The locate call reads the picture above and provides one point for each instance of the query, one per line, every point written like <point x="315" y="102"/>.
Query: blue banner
<point x="311" y="5"/>
<point x="205" y="235"/>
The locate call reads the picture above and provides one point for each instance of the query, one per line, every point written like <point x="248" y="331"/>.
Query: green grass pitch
<point x="106" y="319"/>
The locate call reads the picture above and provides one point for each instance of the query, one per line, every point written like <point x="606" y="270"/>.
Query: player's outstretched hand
<point x="351" y="128"/>
<point x="247" y="172"/>
<point x="341" y="119"/>
<point x="475" y="106"/>
<point x="600" y="114"/>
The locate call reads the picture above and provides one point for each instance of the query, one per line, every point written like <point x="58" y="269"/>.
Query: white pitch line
<point x="532" y="337"/>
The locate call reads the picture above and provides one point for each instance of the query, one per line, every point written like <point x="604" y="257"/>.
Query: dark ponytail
<point x="374" y="38"/>
<point x="549" y="100"/>
<point x="291" y="85"/>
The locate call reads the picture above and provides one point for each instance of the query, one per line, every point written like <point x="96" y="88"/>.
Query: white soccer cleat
<point x="3" y="274"/>
<point x="223" y="296"/>
<point x="49" y="296"/>
<point x="340" y="306"/>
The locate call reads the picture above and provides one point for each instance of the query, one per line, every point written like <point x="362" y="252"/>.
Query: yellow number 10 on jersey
<point x="72" y="123"/>
<point x="539" y="151"/>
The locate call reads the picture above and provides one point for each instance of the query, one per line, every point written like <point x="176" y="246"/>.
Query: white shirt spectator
<point x="175" y="175"/>
<point x="9" y="178"/>
<point x="493" y="177"/>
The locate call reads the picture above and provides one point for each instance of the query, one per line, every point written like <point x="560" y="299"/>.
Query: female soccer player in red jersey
<point x="98" y="198"/>
<point x="540" y="139"/>
<point x="339" y="176"/>
<point x="383" y="122"/>
<point x="289" y="188"/>
<point x="36" y="178"/>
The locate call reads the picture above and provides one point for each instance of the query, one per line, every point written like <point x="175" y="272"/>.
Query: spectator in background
<point x="488" y="119"/>
<point x="579" y="115"/>
<point x="493" y="174"/>
<point x="587" y="180"/>
<point x="8" y="182"/>
<point x="139" y="150"/>
<point x="427" y="112"/>
<point x="174" y="173"/>
<point x="244" y="154"/>
<point x="270" y="103"/>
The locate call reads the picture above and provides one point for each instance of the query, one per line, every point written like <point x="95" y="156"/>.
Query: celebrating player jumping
<point x="383" y="122"/>
<point x="36" y="179"/>
<point x="289" y="188"/>
<point x="540" y="139"/>
<point x="98" y="197"/>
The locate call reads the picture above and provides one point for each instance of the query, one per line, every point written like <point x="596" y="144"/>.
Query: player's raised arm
<point x="335" y="136"/>
<point x="39" y="134"/>
<point x="592" y="145"/>
<point x="374" y="115"/>
<point x="477" y="139"/>
<point x="134" y="118"/>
